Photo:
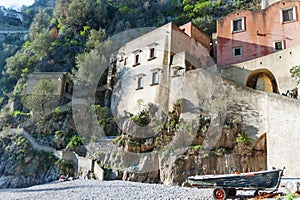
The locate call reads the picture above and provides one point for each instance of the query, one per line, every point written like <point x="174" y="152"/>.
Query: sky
<point x="15" y="3"/>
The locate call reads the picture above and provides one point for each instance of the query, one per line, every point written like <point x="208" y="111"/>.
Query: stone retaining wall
<point x="261" y="112"/>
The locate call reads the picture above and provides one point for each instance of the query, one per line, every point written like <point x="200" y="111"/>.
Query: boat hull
<point x="257" y="180"/>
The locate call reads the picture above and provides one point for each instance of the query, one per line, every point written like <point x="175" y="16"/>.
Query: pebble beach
<point x="95" y="189"/>
<point x="110" y="190"/>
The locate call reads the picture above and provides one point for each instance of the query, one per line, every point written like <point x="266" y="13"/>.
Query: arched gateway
<point x="263" y="80"/>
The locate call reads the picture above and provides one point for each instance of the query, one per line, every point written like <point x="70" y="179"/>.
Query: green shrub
<point x="197" y="147"/>
<point x="21" y="141"/>
<point x="19" y="113"/>
<point x="290" y="196"/>
<point x="56" y="111"/>
<point x="243" y="139"/>
<point x="158" y="128"/>
<point x="177" y="102"/>
<point x="21" y="154"/>
<point x="74" y="142"/>
<point x="142" y="119"/>
<point x="130" y="143"/>
<point x="172" y="124"/>
<point x="57" y="134"/>
<point x="105" y="119"/>
<point x="295" y="73"/>
<point x="25" y="71"/>
<point x="120" y="143"/>
<point x="158" y="139"/>
<point x="101" y="112"/>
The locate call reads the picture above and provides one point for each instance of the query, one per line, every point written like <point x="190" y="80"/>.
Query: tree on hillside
<point x="204" y="13"/>
<point x="43" y="98"/>
<point x="94" y="39"/>
<point x="75" y="15"/>
<point x="8" y="48"/>
<point x="14" y="66"/>
<point x="41" y="45"/>
<point x="29" y="56"/>
<point x="90" y="66"/>
<point x="40" y="24"/>
<point x="60" y="8"/>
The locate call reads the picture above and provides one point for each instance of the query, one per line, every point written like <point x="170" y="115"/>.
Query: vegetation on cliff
<point x="232" y="150"/>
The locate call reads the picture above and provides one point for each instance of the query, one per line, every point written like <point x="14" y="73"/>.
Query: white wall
<point x="278" y="63"/>
<point x="125" y="94"/>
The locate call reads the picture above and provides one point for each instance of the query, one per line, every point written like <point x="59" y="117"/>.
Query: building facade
<point x="146" y="65"/>
<point x="63" y="80"/>
<point x="258" y="48"/>
<point x="246" y="35"/>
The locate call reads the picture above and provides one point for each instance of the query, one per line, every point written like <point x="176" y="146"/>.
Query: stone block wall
<point x="84" y="166"/>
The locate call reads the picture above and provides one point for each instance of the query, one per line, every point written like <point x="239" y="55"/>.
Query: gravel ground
<point x="115" y="190"/>
<point x="93" y="189"/>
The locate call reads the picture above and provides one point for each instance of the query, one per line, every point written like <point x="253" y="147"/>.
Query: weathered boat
<point x="226" y="184"/>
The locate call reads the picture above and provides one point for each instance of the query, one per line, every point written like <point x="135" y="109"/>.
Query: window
<point x="237" y="51"/>
<point x="278" y="45"/>
<point x="288" y="15"/>
<point x="154" y="78"/>
<point x="137" y="57"/>
<point x="67" y="87"/>
<point x="125" y="61"/>
<point x="152" y="51"/>
<point x="140" y="83"/>
<point x="238" y="25"/>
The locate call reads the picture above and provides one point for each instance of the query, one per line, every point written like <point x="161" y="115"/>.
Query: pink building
<point x="245" y="35"/>
<point x="195" y="33"/>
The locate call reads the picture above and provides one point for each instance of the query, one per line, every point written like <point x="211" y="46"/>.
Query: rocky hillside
<point x="28" y="149"/>
<point x="21" y="165"/>
<point x="164" y="158"/>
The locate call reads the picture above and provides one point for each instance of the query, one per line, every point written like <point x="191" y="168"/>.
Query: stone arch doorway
<point x="263" y="80"/>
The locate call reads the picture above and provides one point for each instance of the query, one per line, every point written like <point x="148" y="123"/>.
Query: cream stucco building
<point x="146" y="65"/>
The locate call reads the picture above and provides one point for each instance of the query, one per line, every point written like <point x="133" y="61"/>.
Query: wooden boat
<point x="226" y="184"/>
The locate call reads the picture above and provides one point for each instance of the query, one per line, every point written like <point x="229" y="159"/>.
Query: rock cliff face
<point x="213" y="162"/>
<point x="174" y="170"/>
<point x="28" y="146"/>
<point x="233" y="151"/>
<point x="20" y="164"/>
